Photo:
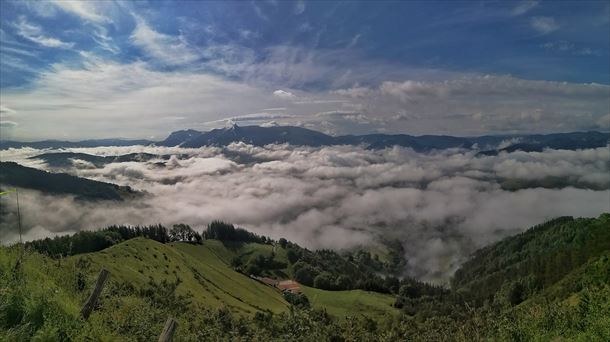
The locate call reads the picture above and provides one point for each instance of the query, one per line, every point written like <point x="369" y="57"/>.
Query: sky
<point x="78" y="70"/>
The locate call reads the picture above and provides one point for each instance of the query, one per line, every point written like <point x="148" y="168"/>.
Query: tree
<point x="305" y="273"/>
<point x="183" y="232"/>
<point x="323" y="281"/>
<point x="292" y="255"/>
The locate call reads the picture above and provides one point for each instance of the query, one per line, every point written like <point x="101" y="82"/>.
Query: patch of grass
<point x="352" y="303"/>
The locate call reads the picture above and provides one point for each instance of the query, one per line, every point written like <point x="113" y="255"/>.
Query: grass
<point x="204" y="272"/>
<point x="203" y="275"/>
<point x="351" y="303"/>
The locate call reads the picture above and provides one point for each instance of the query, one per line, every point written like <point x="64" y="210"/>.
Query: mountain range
<point x="260" y="136"/>
<point x="489" y="144"/>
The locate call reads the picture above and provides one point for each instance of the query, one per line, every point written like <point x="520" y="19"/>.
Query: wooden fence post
<point x="168" y="330"/>
<point x="99" y="285"/>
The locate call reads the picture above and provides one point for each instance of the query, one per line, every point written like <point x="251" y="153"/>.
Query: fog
<point x="442" y="206"/>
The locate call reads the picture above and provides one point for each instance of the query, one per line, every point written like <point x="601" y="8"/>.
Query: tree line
<point x="92" y="241"/>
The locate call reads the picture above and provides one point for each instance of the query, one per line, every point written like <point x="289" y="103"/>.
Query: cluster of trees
<point x="223" y="231"/>
<point x="93" y="241"/>
<point x="330" y="270"/>
<point x="258" y="265"/>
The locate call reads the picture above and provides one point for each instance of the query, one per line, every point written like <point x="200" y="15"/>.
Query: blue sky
<point x="89" y="69"/>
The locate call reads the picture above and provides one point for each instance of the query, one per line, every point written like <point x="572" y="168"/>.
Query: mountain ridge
<point x="299" y="136"/>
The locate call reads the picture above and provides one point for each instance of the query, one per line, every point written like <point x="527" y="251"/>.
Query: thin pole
<point x="18" y="216"/>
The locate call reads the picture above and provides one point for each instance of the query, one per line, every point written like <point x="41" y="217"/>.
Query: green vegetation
<point x="548" y="283"/>
<point x="345" y="303"/>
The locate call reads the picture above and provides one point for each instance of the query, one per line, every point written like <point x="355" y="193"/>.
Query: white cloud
<point x="101" y="96"/>
<point x="35" y="34"/>
<point x="100" y="36"/>
<point x="164" y="48"/>
<point x="8" y="124"/>
<point x="87" y="10"/>
<point x="284" y="94"/>
<point x="604" y="122"/>
<point x="524" y="7"/>
<point x="544" y="25"/>
<point x="481" y="104"/>
<point x="4" y="110"/>
<point x="441" y="206"/>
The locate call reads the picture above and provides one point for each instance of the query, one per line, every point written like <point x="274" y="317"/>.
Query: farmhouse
<point x="289" y="286"/>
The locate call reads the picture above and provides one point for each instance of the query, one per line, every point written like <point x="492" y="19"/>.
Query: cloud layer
<point x="440" y="206"/>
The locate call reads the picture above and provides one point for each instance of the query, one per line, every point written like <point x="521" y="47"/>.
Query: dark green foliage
<point x="532" y="260"/>
<point x="222" y="231"/>
<point x="324" y="281"/>
<point x="93" y="241"/>
<point x="304" y="273"/>
<point x="299" y="300"/>
<point x="357" y="270"/>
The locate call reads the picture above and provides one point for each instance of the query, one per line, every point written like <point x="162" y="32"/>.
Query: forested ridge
<point x="547" y="283"/>
<point x="15" y="175"/>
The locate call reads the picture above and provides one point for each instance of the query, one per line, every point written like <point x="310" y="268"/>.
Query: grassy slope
<point x="206" y="277"/>
<point x="354" y="302"/>
<point x="206" y="274"/>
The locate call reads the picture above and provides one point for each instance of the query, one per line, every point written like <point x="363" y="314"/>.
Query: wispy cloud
<point x="35" y="33"/>
<point x="524" y="7"/>
<point x="299" y="7"/>
<point x="544" y="25"/>
<point x="86" y="10"/>
<point x="164" y="48"/>
<point x="4" y="110"/>
<point x="569" y="47"/>
<point x="100" y="36"/>
<point x="8" y="124"/>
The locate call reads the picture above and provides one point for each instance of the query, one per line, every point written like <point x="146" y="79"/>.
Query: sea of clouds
<point x="442" y="206"/>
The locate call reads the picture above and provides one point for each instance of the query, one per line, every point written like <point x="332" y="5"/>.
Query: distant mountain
<point x="260" y="136"/>
<point x="15" y="175"/>
<point x="255" y="135"/>
<point x="6" y="144"/>
<point x="64" y="159"/>
<point x="557" y="141"/>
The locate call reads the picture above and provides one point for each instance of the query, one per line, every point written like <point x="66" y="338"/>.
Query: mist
<point x="441" y="206"/>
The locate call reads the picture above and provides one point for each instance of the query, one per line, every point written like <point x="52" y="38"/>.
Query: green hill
<point x="15" y="175"/>
<point x="550" y="283"/>
<point x="203" y="276"/>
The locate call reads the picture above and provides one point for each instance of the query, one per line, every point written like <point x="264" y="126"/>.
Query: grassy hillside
<point x="550" y="283"/>
<point x="353" y="302"/>
<point x="202" y="275"/>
